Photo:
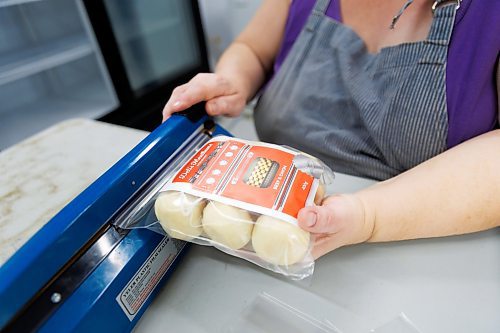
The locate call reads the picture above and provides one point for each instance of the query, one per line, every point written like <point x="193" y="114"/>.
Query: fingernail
<point x="213" y="106"/>
<point x="310" y="219"/>
<point x="177" y="104"/>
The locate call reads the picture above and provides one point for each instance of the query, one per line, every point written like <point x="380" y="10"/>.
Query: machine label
<point x="137" y="291"/>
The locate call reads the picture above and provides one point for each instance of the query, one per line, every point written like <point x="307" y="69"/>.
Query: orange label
<point x="258" y="174"/>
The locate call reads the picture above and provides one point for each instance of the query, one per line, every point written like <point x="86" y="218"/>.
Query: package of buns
<point x="243" y="198"/>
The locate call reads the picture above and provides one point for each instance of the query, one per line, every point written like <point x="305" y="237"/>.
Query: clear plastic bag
<point x="269" y="314"/>
<point x="241" y="197"/>
<point x="400" y="324"/>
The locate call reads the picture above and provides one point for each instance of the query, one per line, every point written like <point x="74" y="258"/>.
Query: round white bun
<point x="227" y="225"/>
<point x="278" y="242"/>
<point x="180" y="214"/>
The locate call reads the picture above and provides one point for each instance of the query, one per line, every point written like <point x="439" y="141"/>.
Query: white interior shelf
<point x="90" y="100"/>
<point x="51" y="69"/>
<point x="17" y="65"/>
<point x="5" y="3"/>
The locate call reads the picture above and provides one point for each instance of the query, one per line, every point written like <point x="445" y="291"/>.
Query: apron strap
<point x="439" y="35"/>
<point x="442" y="24"/>
<point x="321" y="6"/>
<point x="319" y="11"/>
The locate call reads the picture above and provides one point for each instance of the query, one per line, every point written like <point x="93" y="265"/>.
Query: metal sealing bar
<point x="65" y="282"/>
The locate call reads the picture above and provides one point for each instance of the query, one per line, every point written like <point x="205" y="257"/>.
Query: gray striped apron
<point x="369" y="115"/>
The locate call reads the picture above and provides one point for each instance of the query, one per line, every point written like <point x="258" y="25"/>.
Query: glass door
<point x="50" y="68"/>
<point x="157" y="40"/>
<point x="149" y="48"/>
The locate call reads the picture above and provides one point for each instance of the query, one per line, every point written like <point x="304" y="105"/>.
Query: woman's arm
<point x="242" y="69"/>
<point x="453" y="193"/>
<point x="251" y="56"/>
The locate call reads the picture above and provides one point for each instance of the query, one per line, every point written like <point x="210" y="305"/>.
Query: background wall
<point x="223" y="21"/>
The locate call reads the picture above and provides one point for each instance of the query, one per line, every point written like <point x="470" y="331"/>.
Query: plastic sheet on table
<point x="400" y="324"/>
<point x="269" y="314"/>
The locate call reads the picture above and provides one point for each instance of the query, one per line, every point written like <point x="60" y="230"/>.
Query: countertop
<point x="441" y="285"/>
<point x="41" y="174"/>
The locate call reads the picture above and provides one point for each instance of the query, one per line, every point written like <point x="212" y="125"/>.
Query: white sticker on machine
<point x="136" y="292"/>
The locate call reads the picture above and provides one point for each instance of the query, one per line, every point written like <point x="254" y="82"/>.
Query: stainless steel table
<point x="442" y="285"/>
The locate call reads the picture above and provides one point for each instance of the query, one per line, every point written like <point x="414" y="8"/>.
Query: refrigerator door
<point x="50" y="68"/>
<point x="149" y="48"/>
<point x="156" y="41"/>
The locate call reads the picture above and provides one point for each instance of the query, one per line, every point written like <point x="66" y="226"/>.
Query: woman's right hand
<point x="223" y="96"/>
<point x="242" y="68"/>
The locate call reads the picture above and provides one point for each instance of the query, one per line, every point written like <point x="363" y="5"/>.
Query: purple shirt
<point x="471" y="92"/>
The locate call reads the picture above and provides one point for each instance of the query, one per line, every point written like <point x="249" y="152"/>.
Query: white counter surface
<point x="441" y="285"/>
<point x="40" y="175"/>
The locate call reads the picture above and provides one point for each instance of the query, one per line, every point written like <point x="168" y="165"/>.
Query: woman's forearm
<point x="239" y="65"/>
<point x="250" y="58"/>
<point x="455" y="192"/>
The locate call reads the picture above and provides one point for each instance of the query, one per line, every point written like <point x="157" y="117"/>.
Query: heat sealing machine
<point x="82" y="272"/>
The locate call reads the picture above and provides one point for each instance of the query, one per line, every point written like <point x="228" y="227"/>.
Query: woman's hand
<point x="340" y="220"/>
<point x="241" y="70"/>
<point x="453" y="193"/>
<point x="223" y="96"/>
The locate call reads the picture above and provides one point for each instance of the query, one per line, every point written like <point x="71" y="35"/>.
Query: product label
<point x="254" y="176"/>
<point x="137" y="290"/>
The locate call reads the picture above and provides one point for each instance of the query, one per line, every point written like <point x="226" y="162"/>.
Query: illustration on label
<point x="261" y="172"/>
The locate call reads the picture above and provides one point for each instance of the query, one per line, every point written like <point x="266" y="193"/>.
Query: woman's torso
<point x="368" y="114"/>
<point x="471" y="96"/>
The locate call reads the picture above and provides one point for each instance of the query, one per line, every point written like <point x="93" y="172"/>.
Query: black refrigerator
<point x="149" y="48"/>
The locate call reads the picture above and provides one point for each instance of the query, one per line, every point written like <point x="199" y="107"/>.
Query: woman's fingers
<point x="171" y="105"/>
<point x="317" y="220"/>
<point x="339" y="221"/>
<point x="323" y="245"/>
<point x="231" y="105"/>
<point x="202" y="87"/>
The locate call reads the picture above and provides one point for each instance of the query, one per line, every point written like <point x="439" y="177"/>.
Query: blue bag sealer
<point x="82" y="273"/>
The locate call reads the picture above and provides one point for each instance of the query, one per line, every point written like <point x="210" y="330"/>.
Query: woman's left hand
<point x="340" y="220"/>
